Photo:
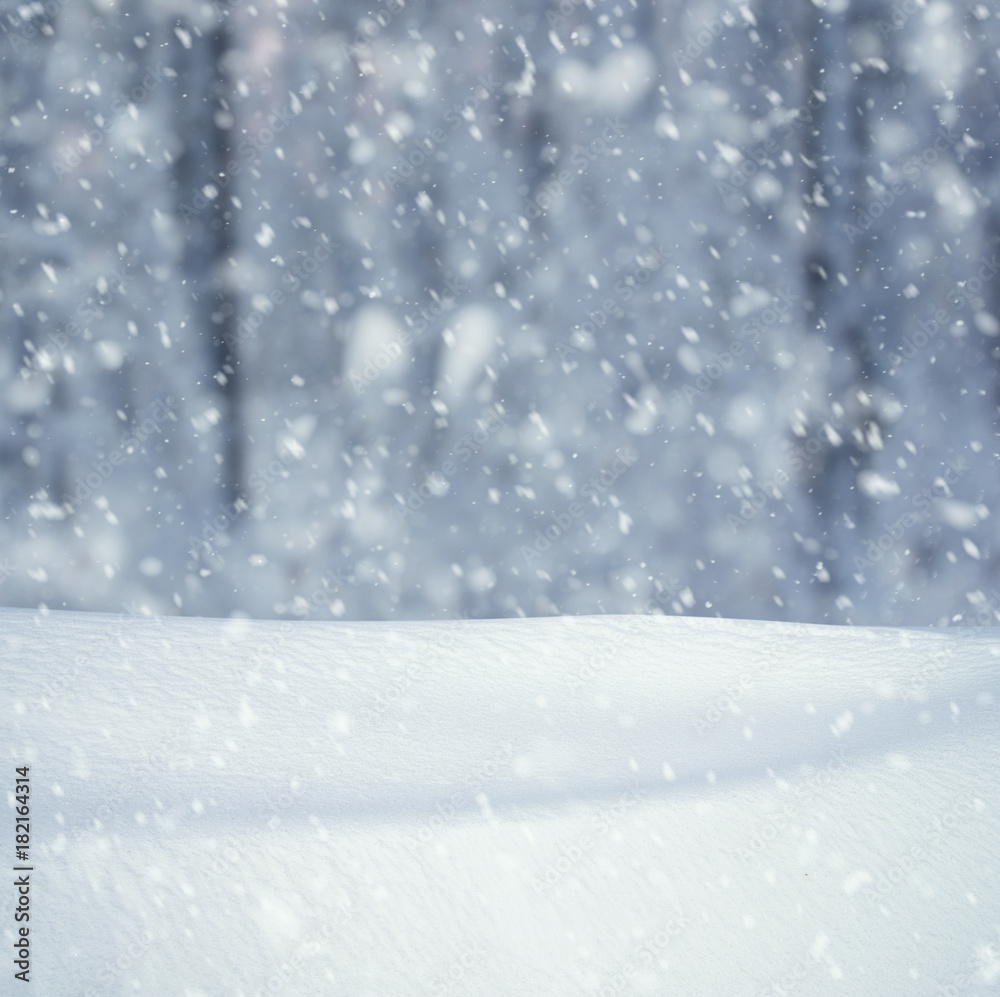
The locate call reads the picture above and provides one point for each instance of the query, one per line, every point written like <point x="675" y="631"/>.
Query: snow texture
<point x="628" y="804"/>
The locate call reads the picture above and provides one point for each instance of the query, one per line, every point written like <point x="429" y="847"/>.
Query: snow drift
<point x="561" y="806"/>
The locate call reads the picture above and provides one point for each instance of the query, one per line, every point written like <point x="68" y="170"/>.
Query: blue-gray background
<point x="496" y="309"/>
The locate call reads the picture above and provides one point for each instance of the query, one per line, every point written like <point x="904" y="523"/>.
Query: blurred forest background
<point x="433" y="310"/>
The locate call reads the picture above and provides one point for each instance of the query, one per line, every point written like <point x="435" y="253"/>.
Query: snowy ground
<point x="642" y="805"/>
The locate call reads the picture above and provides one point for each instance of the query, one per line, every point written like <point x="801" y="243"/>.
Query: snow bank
<point x="561" y="806"/>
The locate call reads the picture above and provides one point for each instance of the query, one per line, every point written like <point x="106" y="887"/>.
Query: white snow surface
<point x="575" y="805"/>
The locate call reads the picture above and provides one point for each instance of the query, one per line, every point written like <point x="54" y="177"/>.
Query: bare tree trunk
<point x="203" y="123"/>
<point x="834" y="147"/>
